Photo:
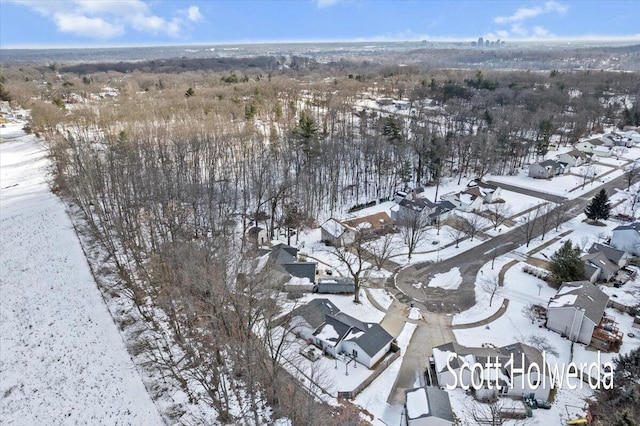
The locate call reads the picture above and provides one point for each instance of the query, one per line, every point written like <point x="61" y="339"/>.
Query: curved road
<point x="438" y="300"/>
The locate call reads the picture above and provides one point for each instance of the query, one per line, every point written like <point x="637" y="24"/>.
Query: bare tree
<point x="498" y="213"/>
<point x="586" y="173"/>
<point x="545" y="218"/>
<point x="528" y="224"/>
<point x="457" y="231"/>
<point x="382" y="249"/>
<point x="542" y="344"/>
<point x="472" y="224"/>
<point x="355" y="257"/>
<point x="631" y="173"/>
<point x="530" y="312"/>
<point x="491" y="286"/>
<point x="413" y="229"/>
<point x="559" y="215"/>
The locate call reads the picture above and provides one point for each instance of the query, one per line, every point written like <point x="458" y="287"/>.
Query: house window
<point x="355" y="353"/>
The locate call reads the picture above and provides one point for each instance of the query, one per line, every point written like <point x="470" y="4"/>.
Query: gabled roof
<point x="576" y="154"/>
<point x="301" y="270"/>
<point x="334" y="228"/>
<point x="283" y="253"/>
<point x="593" y="141"/>
<point x="428" y="401"/>
<point x="370" y="337"/>
<point x="531" y="356"/>
<point x="610" y="253"/>
<point x="254" y="230"/>
<point x="417" y="205"/>
<point x="375" y="221"/>
<point x="634" y="226"/>
<point x="489" y="187"/>
<point x="552" y="164"/>
<point x="599" y="260"/>
<point x="581" y="295"/>
<point x="315" y="311"/>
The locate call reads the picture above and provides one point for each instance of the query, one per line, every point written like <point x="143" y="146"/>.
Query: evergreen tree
<point x="566" y="264"/>
<point x="190" y="92"/>
<point x="599" y="207"/>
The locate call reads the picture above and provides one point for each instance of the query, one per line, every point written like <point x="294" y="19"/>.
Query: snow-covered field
<point x="62" y="359"/>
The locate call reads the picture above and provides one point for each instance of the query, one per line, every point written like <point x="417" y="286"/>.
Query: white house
<point x="576" y="310"/>
<point x="336" y="233"/>
<point x="627" y="238"/>
<point x="573" y="158"/>
<point x="307" y="318"/>
<point x="407" y="210"/>
<point x="471" y="199"/>
<point x="428" y="406"/>
<point x="602" y="151"/>
<point x="366" y="343"/>
<point x="490" y="192"/>
<point x="547" y="169"/>
<point x="588" y="145"/>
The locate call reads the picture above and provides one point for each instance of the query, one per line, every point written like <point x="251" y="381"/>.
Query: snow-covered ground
<point x="450" y="280"/>
<point x="62" y="359"/>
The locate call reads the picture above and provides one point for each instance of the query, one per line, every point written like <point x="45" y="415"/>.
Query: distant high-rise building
<point x="480" y="42"/>
<point x="487" y="43"/>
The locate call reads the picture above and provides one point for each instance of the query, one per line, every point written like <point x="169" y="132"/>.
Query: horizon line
<point x="551" y="40"/>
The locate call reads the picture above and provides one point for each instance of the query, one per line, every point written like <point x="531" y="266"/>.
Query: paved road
<point x="470" y="262"/>
<point x="531" y="192"/>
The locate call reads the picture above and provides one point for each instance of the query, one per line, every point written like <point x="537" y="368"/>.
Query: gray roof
<point x="372" y="339"/>
<point x="635" y="226"/>
<point x="599" y="260"/>
<point x="438" y="402"/>
<point x="254" y="230"/>
<point x="577" y="154"/>
<point x="315" y="311"/>
<point x="551" y="163"/>
<point x="283" y="253"/>
<point x="531" y="355"/>
<point x="443" y="207"/>
<point x="610" y="253"/>
<point x="337" y="285"/>
<point x="418" y="205"/>
<point x="589" y="297"/>
<point x="301" y="270"/>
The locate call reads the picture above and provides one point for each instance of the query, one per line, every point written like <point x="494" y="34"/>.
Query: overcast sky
<point x="58" y="23"/>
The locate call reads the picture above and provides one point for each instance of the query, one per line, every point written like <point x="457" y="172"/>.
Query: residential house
<point x="588" y="145"/>
<point x="407" y="210"/>
<point x="336" y="285"/>
<point x="491" y="193"/>
<point x="598" y="267"/>
<point x="547" y="169"/>
<point x="302" y="275"/>
<point x="337" y="234"/>
<point x="307" y="318"/>
<point x="449" y="359"/>
<point x="366" y="343"/>
<point x="618" y="257"/>
<point x="577" y="311"/>
<point x="428" y="406"/>
<point x="627" y="238"/>
<point x="442" y="212"/>
<point x="574" y="158"/>
<point x="375" y="224"/>
<point x="471" y="199"/>
<point x="257" y="235"/>
<point x="602" y="151"/>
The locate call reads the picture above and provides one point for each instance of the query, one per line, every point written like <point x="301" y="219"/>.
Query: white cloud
<point x="107" y="19"/>
<point x="325" y="3"/>
<point x="87" y="27"/>
<point x="525" y="13"/>
<point x="193" y="13"/>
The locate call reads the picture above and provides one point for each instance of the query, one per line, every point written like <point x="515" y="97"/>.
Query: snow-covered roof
<point x="428" y="401"/>
<point x="581" y="295"/>
<point x="334" y="228"/>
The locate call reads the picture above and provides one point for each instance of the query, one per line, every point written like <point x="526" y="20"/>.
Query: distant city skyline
<point x="82" y="23"/>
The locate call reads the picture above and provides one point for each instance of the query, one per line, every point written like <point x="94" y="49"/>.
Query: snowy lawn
<point x="481" y="309"/>
<point x="62" y="360"/>
<point x="448" y="280"/>
<point x="381" y="296"/>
